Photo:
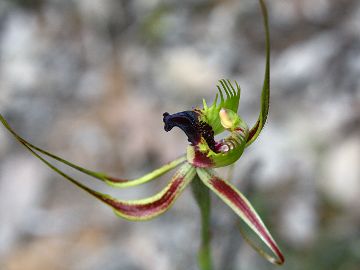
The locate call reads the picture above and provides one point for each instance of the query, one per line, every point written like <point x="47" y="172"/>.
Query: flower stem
<point x="202" y="197"/>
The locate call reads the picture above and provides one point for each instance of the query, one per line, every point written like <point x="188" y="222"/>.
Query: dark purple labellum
<point x="187" y="121"/>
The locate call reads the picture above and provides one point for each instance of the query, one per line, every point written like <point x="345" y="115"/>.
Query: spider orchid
<point x="196" y="167"/>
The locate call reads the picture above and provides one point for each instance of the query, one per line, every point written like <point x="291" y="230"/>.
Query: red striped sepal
<point x="145" y="209"/>
<point x="242" y="207"/>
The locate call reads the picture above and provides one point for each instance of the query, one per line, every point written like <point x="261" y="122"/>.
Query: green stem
<point x="202" y="196"/>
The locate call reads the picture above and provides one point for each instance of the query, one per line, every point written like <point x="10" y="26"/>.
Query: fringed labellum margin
<point x="200" y="125"/>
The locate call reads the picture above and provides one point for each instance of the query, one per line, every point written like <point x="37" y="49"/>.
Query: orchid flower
<point x="203" y="154"/>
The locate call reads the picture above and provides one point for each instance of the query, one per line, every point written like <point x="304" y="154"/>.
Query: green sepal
<point x="125" y="183"/>
<point x="265" y="95"/>
<point x="136" y="210"/>
<point x="112" y="181"/>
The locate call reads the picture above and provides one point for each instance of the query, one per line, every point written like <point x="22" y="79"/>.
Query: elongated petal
<point x="123" y="183"/>
<point x="151" y="207"/>
<point x="265" y="95"/>
<point x="113" y="181"/>
<point x="137" y="210"/>
<point x="242" y="207"/>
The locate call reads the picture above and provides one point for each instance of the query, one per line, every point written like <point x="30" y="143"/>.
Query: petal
<point x="112" y="181"/>
<point x="137" y="210"/>
<point x="187" y="121"/>
<point x="151" y="207"/>
<point x="265" y="95"/>
<point x="133" y="210"/>
<point x="242" y="207"/>
<point x="123" y="183"/>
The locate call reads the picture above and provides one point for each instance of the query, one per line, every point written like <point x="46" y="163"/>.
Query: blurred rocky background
<point x="90" y="79"/>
